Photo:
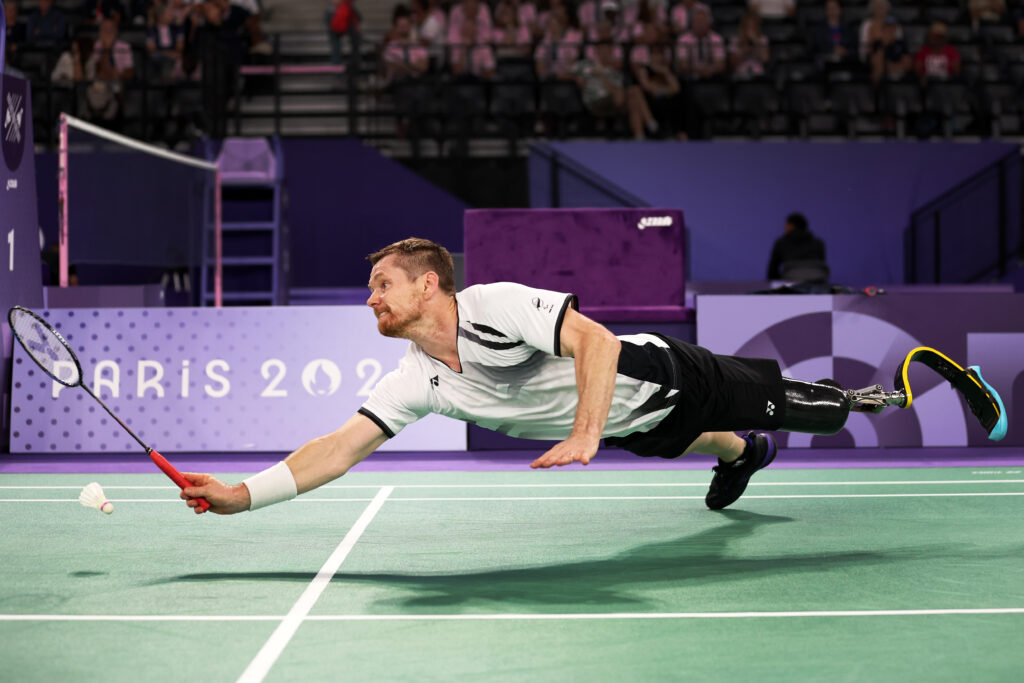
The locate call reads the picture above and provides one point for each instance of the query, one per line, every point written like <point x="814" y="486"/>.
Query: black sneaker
<point x="730" y="480"/>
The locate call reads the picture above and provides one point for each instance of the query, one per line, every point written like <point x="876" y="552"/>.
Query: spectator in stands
<point x="559" y="49"/>
<point x="109" y="66"/>
<point x="402" y="57"/>
<point x="14" y="30"/>
<point x="46" y="24"/>
<point x="545" y="8"/>
<point x="525" y="11"/>
<point x="71" y="65"/>
<point x="889" y="57"/>
<point x="748" y="50"/>
<point x="15" y="37"/>
<point x="587" y="14"/>
<point x="343" y="19"/>
<point x="472" y="57"/>
<point x="937" y="60"/>
<point x="834" y="40"/>
<point x="604" y="32"/>
<point x="797" y="243"/>
<point x="773" y="9"/>
<point x="679" y="15"/>
<point x="700" y="52"/>
<point x="429" y="26"/>
<point x="474" y="10"/>
<point x="244" y="16"/>
<point x="664" y="108"/>
<point x="636" y="15"/>
<point x="599" y="77"/>
<point x="871" y="29"/>
<point x="165" y="44"/>
<point x="646" y="38"/>
<point x="511" y="38"/>
<point x="986" y="11"/>
<point x="95" y="11"/>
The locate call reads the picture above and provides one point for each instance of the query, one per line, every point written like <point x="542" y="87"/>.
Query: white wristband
<point x="270" y="486"/>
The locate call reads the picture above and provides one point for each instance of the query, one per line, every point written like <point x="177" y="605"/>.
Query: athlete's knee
<point x="814" y="408"/>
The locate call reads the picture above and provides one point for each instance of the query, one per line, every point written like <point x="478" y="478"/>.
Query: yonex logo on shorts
<point x="770" y="409"/>
<point x="654" y="222"/>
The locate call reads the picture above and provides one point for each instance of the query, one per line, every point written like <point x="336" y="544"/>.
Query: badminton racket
<point x="51" y="352"/>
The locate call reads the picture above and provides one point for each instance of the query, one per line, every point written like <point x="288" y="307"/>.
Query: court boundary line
<point x="914" y="482"/>
<point x="261" y="664"/>
<point x="434" y="499"/>
<point x="595" y="616"/>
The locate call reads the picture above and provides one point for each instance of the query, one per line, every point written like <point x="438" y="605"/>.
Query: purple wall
<point x="346" y="201"/>
<point x="857" y="196"/>
<point x="20" y="281"/>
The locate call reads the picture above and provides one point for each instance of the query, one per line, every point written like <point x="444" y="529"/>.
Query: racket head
<point x="45" y="346"/>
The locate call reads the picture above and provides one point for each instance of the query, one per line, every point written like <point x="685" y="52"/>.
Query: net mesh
<point x="128" y="205"/>
<point x="45" y="346"/>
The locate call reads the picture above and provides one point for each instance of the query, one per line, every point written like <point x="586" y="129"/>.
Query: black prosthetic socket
<point x="814" y="408"/>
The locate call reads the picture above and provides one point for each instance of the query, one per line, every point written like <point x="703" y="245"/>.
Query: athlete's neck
<point x="438" y="333"/>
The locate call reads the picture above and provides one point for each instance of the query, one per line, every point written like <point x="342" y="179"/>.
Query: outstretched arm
<point x="596" y="351"/>
<point x="314" y="464"/>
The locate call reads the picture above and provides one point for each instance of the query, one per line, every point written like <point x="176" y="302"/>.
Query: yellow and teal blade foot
<point x="998" y="431"/>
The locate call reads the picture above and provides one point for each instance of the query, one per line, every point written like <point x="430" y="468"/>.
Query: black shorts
<point x="717" y="394"/>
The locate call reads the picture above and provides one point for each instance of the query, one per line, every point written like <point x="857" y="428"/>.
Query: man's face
<point x="833" y="11"/>
<point x="700" y="22"/>
<point x="45" y="5"/>
<point x="108" y="32"/>
<point x="396" y="300"/>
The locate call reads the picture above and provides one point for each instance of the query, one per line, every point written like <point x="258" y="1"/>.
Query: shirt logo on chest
<point x="433" y="381"/>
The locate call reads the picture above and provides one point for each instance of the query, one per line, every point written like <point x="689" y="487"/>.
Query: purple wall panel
<point x="857" y="196"/>
<point x="212" y="380"/>
<point x="347" y="201"/>
<point x="20" y="275"/>
<point x="860" y="341"/>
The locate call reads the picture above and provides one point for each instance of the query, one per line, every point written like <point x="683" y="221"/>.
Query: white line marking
<point x="524" y="617"/>
<point x="921" y="482"/>
<point x="521" y="498"/>
<point x="279" y="639"/>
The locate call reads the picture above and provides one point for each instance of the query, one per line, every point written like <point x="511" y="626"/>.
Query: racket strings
<point x="46" y="347"/>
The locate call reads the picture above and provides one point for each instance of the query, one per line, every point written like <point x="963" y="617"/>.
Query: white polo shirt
<point x="513" y="378"/>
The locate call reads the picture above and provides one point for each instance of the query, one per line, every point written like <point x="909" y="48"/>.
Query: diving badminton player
<point x="526" y="363"/>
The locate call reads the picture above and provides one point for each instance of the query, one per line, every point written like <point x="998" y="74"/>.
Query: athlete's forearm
<point x="597" y="360"/>
<point x="328" y="457"/>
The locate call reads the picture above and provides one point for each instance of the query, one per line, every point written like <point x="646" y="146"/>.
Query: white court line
<point x="526" y="617"/>
<point x="919" y="482"/>
<point x="279" y="639"/>
<point x="549" y="498"/>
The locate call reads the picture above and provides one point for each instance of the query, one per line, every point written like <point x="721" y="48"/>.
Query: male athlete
<point x="525" y="362"/>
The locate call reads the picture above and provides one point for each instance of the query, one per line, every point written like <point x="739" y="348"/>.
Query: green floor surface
<point x="505" y="545"/>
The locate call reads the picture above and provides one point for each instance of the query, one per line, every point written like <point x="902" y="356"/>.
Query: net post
<point x="218" y="291"/>
<point x="62" y="199"/>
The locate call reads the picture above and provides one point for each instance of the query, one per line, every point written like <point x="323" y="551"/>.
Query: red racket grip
<point x="175" y="476"/>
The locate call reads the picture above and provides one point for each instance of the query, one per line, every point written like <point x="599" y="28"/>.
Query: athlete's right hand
<point x="223" y="498"/>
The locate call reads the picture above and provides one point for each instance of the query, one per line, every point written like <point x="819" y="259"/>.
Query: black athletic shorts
<point x="717" y="394"/>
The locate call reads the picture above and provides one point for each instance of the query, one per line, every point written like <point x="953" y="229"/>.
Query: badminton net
<point x="130" y="212"/>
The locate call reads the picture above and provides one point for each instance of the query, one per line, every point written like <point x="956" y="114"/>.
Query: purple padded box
<point x="625" y="265"/>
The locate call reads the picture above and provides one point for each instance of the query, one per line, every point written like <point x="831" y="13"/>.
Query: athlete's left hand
<point x="573" y="449"/>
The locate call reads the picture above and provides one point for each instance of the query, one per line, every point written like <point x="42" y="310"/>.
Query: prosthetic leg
<point x="822" y="407"/>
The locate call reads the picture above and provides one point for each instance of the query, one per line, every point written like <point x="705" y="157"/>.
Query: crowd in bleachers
<point x="104" y="60"/>
<point x="691" y="69"/>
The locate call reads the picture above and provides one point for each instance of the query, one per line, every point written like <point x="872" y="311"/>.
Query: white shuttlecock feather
<point x="92" y="496"/>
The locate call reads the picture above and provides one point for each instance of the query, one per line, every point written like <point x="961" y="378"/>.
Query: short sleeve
<point x="532" y="315"/>
<point x="399" y="399"/>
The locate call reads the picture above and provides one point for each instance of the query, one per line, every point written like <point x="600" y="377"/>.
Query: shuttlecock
<point x="92" y="496"/>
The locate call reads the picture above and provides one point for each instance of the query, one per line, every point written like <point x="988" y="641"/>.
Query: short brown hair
<point x="417" y="256"/>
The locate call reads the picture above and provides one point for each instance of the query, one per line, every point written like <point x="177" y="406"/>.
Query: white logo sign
<point x="654" y="222"/>
<point x="770" y="409"/>
<point x="321" y="377"/>
<point x="12" y="120"/>
<point x="12" y="184"/>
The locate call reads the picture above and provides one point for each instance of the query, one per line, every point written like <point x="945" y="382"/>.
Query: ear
<point x="430" y="282"/>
